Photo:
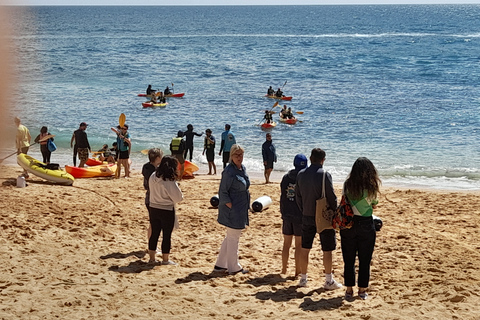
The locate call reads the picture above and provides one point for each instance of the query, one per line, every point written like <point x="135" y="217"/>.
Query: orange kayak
<point x="92" y="172"/>
<point x="269" y="125"/>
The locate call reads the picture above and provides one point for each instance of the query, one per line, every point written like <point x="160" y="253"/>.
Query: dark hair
<point x="167" y="169"/>
<point x="227" y="126"/>
<point x="363" y="177"/>
<point x="190" y="127"/>
<point x="317" y="155"/>
<point x="44" y="129"/>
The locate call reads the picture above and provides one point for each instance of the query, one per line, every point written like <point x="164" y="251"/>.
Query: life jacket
<point x="177" y="146"/>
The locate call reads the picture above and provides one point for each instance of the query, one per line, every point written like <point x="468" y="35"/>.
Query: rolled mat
<point x="261" y="203"/>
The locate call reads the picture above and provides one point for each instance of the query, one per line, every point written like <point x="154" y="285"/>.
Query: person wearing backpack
<point x="177" y="148"/>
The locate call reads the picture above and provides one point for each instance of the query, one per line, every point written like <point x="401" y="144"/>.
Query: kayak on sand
<point x="39" y="169"/>
<point x="92" y="172"/>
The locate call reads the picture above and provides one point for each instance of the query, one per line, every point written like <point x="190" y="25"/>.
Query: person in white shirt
<point x="164" y="194"/>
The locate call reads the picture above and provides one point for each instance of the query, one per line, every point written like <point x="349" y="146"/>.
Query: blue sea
<point x="398" y="84"/>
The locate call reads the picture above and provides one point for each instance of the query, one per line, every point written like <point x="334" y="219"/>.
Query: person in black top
<point x="270" y="91"/>
<point x="189" y="134"/>
<point x="150" y="91"/>
<point x="279" y="93"/>
<point x="167" y="91"/>
<point x="82" y="147"/>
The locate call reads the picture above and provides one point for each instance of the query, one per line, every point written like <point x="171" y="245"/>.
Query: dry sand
<point x="79" y="253"/>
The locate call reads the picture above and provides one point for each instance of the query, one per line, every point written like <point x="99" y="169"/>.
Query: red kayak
<point x="269" y="125"/>
<point x="173" y="95"/>
<point x="288" y="121"/>
<point x="279" y="98"/>
<point x="93" y="162"/>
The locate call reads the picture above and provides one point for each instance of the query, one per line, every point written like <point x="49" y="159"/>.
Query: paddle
<point x="121" y="120"/>
<point x="173" y="90"/>
<point x="49" y="136"/>
<point x="284" y="84"/>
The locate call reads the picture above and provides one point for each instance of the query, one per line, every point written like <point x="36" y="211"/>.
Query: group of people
<point x="271" y="92"/>
<point x="286" y="113"/>
<point x="300" y="189"/>
<point x="151" y="92"/>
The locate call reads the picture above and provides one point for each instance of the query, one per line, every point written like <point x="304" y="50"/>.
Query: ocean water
<point x="398" y="84"/>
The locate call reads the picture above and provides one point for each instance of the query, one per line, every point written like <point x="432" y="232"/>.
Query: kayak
<point x="190" y="168"/>
<point x="269" y="125"/>
<point x="92" y="172"/>
<point x="172" y="95"/>
<point x="288" y="121"/>
<point x="151" y="104"/>
<point x="37" y="168"/>
<point x="94" y="162"/>
<point x="279" y="98"/>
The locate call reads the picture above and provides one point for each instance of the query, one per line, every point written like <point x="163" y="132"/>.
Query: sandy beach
<point x="79" y="252"/>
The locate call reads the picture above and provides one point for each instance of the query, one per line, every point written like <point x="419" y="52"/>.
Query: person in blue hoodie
<point x="234" y="202"/>
<point x="291" y="214"/>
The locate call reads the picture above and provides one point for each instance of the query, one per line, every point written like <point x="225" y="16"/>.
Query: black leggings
<point x="161" y="220"/>
<point x="188" y="148"/>
<point x="45" y="153"/>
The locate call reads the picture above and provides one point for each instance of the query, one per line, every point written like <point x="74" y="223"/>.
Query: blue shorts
<point x="328" y="240"/>
<point x="289" y="228"/>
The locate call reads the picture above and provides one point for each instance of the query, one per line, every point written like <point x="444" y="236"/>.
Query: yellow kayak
<point x="36" y="167"/>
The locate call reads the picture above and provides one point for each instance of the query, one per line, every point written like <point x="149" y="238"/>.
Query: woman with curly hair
<point x="164" y="194"/>
<point x="361" y="188"/>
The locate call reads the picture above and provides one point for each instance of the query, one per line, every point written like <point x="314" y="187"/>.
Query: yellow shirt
<point x="23" y="137"/>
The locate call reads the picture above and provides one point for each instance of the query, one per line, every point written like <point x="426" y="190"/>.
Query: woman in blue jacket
<point x="233" y="210"/>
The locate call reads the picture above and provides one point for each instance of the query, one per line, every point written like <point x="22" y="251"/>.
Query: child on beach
<point x="361" y="189"/>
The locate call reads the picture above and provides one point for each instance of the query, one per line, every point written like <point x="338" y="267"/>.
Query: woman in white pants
<point x="233" y="211"/>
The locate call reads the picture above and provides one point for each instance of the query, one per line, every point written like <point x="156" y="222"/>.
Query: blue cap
<point x="300" y="161"/>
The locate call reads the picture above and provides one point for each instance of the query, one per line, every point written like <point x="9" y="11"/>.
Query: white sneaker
<point x="168" y="263"/>
<point x="302" y="282"/>
<point x="332" y="285"/>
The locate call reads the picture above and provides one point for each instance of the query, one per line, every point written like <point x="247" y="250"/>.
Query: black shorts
<point x="210" y="155"/>
<point x="289" y="228"/>
<point x="328" y="240"/>
<point x="269" y="165"/>
<point x="226" y="157"/>
<point x="123" y="155"/>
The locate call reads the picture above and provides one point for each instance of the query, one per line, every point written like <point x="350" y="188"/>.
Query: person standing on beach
<point x="164" y="194"/>
<point x="43" y="144"/>
<point x="81" y="147"/>
<point x="269" y="156"/>
<point x="209" y="147"/>
<point x="155" y="156"/>
<point x="189" y="134"/>
<point x="361" y="188"/>
<point x="177" y="147"/>
<point x="307" y="190"/>
<point x="291" y="214"/>
<point x="234" y="202"/>
<point x="124" y="144"/>
<point x="228" y="140"/>
<point x="22" y="140"/>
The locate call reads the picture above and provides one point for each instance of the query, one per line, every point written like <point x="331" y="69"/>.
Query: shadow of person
<point x="269" y="279"/>
<point x="198" y="276"/>
<point x="140" y="254"/>
<point x="133" y="267"/>
<point x="281" y="295"/>
<point x="323" y="304"/>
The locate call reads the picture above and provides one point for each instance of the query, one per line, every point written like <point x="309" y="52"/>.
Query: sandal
<point x="363" y="295"/>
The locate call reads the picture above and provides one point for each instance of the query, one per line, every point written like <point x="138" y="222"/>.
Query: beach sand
<point x="79" y="252"/>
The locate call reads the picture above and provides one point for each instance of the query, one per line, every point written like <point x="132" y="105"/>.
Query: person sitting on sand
<point x="164" y="194"/>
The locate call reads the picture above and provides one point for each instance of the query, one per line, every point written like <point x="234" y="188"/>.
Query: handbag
<point x="51" y="145"/>
<point x="323" y="214"/>
<point x="343" y="218"/>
